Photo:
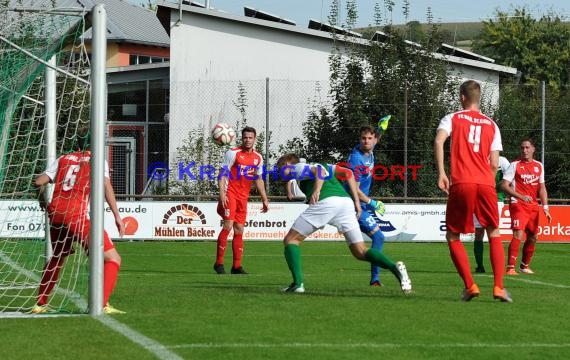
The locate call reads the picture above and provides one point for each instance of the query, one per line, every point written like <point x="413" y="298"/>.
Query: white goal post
<point x="49" y="88"/>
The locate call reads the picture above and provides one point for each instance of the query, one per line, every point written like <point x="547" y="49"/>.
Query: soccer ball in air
<point x="223" y="134"/>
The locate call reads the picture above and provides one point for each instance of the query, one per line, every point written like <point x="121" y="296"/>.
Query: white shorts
<point x="335" y="210"/>
<point x="476" y="222"/>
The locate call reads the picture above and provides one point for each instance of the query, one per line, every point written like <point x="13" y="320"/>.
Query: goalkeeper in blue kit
<point x="361" y="159"/>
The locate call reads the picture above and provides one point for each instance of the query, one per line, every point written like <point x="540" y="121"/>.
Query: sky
<point x="300" y="11"/>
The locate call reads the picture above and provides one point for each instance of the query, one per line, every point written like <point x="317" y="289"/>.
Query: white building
<point x="214" y="54"/>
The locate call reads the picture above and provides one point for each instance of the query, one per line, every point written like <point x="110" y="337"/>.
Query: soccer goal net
<point x="43" y="80"/>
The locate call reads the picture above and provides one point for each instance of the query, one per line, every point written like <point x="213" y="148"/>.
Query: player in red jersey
<point x="241" y="166"/>
<point x="475" y="146"/>
<point x="524" y="182"/>
<point x="69" y="222"/>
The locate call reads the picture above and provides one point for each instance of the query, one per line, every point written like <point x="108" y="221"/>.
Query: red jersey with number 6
<point x="71" y="175"/>
<point x="473" y="137"/>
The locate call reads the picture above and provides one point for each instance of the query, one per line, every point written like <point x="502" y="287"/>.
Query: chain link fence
<point x="300" y="116"/>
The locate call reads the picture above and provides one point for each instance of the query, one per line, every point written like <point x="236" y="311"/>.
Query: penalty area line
<point x="366" y="345"/>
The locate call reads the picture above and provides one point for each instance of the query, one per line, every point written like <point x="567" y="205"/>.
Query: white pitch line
<point x="537" y="282"/>
<point x="147" y="343"/>
<point x="367" y="345"/>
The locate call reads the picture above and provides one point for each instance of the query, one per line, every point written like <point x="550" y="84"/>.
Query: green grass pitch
<point x="178" y="308"/>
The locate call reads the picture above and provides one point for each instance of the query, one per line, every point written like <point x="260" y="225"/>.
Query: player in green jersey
<point x="329" y="203"/>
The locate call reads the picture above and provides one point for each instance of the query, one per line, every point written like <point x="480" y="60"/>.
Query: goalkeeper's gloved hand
<point x="383" y="123"/>
<point x="378" y="206"/>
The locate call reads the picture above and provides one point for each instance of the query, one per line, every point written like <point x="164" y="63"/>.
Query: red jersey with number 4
<point x="525" y="178"/>
<point x="71" y="175"/>
<point x="241" y="168"/>
<point x="473" y="137"/>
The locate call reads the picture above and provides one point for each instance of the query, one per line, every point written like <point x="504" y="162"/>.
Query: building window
<point x="127" y="102"/>
<point x="145" y="59"/>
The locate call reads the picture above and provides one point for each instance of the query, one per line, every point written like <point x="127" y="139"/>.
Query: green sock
<point x="478" y="251"/>
<point x="375" y="257"/>
<point x="293" y="258"/>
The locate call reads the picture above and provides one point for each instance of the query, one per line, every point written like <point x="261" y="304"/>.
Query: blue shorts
<point x="368" y="220"/>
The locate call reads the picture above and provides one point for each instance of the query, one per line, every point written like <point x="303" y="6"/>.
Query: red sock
<point x="528" y="252"/>
<point x="461" y="261"/>
<point x="497" y="260"/>
<point x="110" y="275"/>
<point x="222" y="243"/>
<point x="49" y="279"/>
<point x="513" y="252"/>
<point x="237" y="249"/>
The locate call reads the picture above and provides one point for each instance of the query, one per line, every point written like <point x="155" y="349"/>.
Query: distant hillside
<point x="460" y="34"/>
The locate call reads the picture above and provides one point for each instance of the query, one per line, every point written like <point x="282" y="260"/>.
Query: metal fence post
<point x="543" y="120"/>
<point x="267" y="131"/>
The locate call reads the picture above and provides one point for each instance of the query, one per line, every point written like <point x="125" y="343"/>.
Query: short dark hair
<point x="367" y="129"/>
<point x="250" y="130"/>
<point x="287" y="158"/>
<point x="531" y="141"/>
<point x="471" y="90"/>
<point x="83" y="138"/>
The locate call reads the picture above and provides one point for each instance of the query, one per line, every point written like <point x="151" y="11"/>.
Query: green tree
<point x="369" y="81"/>
<point x="196" y="152"/>
<point x="538" y="48"/>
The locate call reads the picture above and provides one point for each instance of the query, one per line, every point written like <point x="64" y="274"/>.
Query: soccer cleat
<point x="376" y="283"/>
<point x="294" y="288"/>
<point x="480" y="270"/>
<point x="526" y="270"/>
<point x="511" y="271"/>
<point x="219" y="269"/>
<point x="41" y="309"/>
<point x="470" y="293"/>
<point x="239" y="270"/>
<point x="405" y="282"/>
<point x="502" y="294"/>
<point x="109" y="310"/>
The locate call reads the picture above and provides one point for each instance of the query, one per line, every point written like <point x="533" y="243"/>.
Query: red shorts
<point x="524" y="217"/>
<point x="236" y="210"/>
<point x="66" y="229"/>
<point x="466" y="199"/>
